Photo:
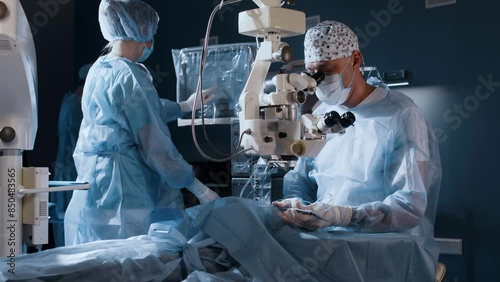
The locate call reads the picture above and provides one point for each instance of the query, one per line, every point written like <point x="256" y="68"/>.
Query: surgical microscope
<point x="269" y="123"/>
<point x="23" y="191"/>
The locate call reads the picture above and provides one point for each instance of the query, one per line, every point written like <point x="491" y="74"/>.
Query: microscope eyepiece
<point x="347" y="119"/>
<point x="333" y="122"/>
<point x="317" y="76"/>
<point x="332" y="118"/>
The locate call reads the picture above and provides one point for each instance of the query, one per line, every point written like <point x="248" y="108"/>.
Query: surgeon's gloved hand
<point x="285" y="204"/>
<point x="202" y="192"/>
<point x="187" y="106"/>
<point x="318" y="215"/>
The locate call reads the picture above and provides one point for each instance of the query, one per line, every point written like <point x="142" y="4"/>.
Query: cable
<point x="199" y="91"/>
<point x="267" y="174"/>
<point x="200" y="75"/>
<point x="245" y="187"/>
<point x="250" y="163"/>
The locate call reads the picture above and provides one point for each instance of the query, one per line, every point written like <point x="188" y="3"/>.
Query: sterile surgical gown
<point x="125" y="152"/>
<point x="387" y="167"/>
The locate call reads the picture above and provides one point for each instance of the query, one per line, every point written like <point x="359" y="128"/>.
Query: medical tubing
<point x="200" y="78"/>
<point x="199" y="86"/>
<point x="252" y="177"/>
<point x="260" y="177"/>
<point x="199" y="90"/>
<point x="245" y="186"/>
<point x="248" y="181"/>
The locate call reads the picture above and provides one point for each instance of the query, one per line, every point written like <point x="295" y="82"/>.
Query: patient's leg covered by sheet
<point x="170" y="251"/>
<point x="272" y="250"/>
<point x="110" y="260"/>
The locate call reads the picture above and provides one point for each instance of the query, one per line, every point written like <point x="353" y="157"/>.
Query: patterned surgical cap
<point x="329" y="40"/>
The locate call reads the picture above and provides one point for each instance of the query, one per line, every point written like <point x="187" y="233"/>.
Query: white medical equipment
<point x="23" y="191"/>
<point x="269" y="124"/>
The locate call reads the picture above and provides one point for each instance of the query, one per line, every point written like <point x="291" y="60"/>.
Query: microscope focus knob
<point x="7" y="134"/>
<point x="287" y="54"/>
<point x="3" y="10"/>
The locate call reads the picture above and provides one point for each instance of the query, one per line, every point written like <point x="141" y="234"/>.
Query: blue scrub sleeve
<point x="142" y="110"/>
<point x="298" y="184"/>
<point x="407" y="168"/>
<point x="170" y="110"/>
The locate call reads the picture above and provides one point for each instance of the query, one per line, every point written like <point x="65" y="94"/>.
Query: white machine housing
<point x="36" y="206"/>
<point x="269" y="123"/>
<point x="18" y="118"/>
<point x="18" y="78"/>
<point x="260" y="22"/>
<point x="23" y="209"/>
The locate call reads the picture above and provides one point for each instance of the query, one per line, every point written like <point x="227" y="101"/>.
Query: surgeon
<point x="124" y="148"/>
<point x="384" y="173"/>
<point x="69" y="120"/>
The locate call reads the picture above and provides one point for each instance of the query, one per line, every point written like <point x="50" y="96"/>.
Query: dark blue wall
<point x="450" y="51"/>
<point x="53" y="29"/>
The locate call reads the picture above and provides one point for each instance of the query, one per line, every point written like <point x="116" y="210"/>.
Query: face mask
<point x="146" y="52"/>
<point x="332" y="91"/>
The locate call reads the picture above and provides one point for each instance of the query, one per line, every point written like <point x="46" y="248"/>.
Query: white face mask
<point x="332" y="91"/>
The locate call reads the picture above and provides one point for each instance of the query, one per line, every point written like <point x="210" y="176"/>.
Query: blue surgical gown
<point x="69" y="120"/>
<point x="125" y="152"/>
<point x="387" y="167"/>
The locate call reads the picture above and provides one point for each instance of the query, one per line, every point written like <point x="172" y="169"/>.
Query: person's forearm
<point x="170" y="110"/>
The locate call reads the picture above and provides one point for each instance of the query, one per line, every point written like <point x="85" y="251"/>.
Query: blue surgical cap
<point x="127" y="20"/>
